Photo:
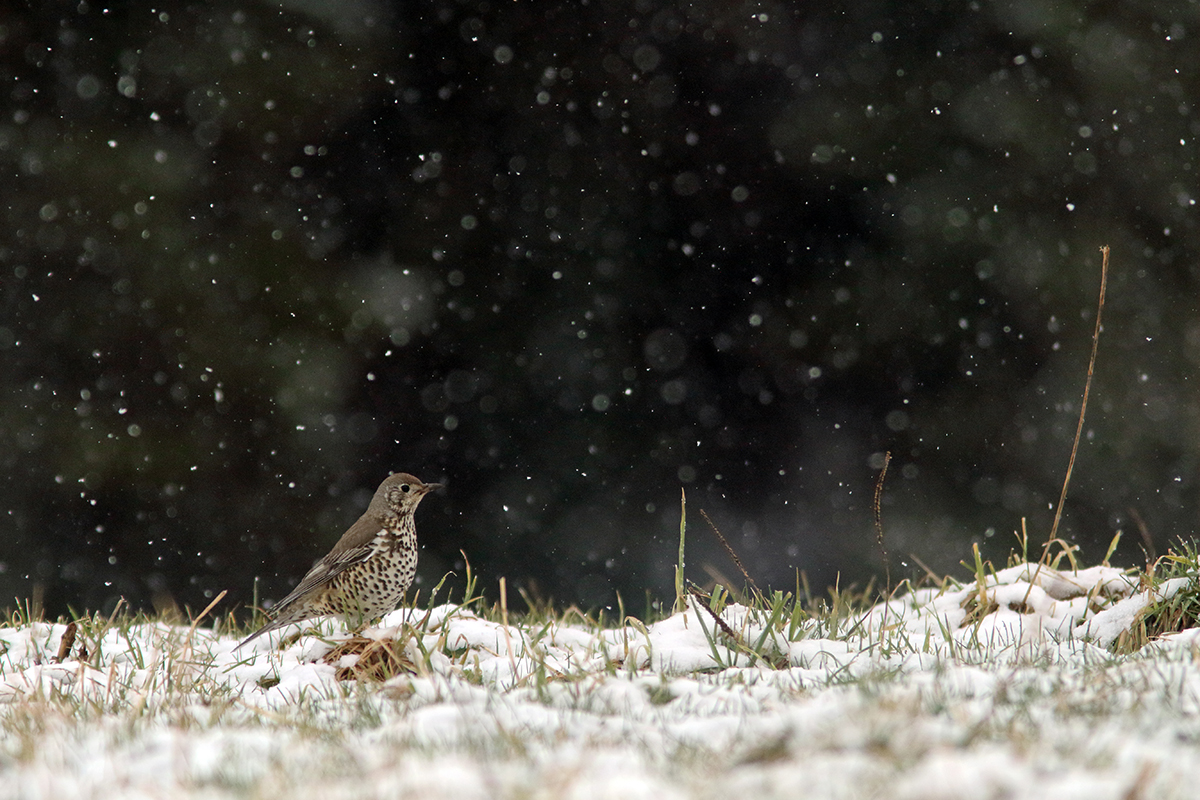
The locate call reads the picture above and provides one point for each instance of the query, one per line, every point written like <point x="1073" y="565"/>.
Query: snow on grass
<point x="1006" y="688"/>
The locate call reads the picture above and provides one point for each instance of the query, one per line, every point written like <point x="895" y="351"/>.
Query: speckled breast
<point x="372" y="588"/>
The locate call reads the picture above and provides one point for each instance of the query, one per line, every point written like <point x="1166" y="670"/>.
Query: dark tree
<point x="570" y="257"/>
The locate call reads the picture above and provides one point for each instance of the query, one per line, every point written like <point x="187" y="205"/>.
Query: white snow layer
<point x="1008" y="691"/>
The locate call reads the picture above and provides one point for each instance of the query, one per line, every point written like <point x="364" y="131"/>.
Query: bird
<point x="370" y="568"/>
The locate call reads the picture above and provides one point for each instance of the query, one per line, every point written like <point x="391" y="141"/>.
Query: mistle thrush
<point x="368" y="571"/>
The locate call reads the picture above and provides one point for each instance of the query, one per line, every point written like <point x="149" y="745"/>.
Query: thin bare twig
<point x="732" y="554"/>
<point x="1087" y="388"/>
<point x="724" y="626"/>
<point x="887" y="565"/>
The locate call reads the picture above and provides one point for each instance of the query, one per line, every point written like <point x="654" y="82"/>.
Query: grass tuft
<point x="363" y="659"/>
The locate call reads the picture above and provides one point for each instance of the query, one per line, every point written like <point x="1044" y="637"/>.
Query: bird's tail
<point x="274" y="624"/>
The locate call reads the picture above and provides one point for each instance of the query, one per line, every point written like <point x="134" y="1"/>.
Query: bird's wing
<point x="353" y="548"/>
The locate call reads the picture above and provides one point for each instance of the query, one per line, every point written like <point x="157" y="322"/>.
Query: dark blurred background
<point x="571" y="257"/>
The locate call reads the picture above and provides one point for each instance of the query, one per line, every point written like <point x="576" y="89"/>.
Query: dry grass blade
<point x="732" y="554"/>
<point x="204" y="613"/>
<point x="64" y="646"/>
<point x="932" y="576"/>
<point x="1140" y="788"/>
<point x="1144" y="532"/>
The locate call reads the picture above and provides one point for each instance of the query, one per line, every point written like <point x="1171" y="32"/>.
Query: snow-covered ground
<point x="1009" y="691"/>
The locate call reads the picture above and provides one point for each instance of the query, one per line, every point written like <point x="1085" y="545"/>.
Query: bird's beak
<point x="429" y="487"/>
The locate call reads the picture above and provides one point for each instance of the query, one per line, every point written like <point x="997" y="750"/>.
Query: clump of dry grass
<point x="363" y="659"/>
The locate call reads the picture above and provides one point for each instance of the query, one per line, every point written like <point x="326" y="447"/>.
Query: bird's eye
<point x="404" y="487"/>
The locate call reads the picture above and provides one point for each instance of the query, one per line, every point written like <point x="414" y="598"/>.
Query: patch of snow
<point x="1002" y="691"/>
